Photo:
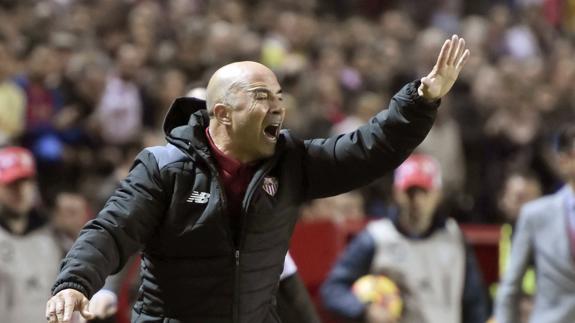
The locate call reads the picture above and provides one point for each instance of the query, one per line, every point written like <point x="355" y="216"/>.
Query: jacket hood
<point x="181" y="112"/>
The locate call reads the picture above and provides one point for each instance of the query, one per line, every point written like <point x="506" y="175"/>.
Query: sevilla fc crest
<point x="270" y="185"/>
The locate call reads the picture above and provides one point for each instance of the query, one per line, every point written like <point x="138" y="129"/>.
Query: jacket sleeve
<point x="345" y="162"/>
<point x="355" y="262"/>
<point x="127" y="220"/>
<point x="509" y="292"/>
<point x="474" y="302"/>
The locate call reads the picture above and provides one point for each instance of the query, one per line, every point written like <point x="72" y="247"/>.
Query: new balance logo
<point x="199" y="197"/>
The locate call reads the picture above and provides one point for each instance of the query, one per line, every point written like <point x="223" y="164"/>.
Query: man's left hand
<point x="450" y="61"/>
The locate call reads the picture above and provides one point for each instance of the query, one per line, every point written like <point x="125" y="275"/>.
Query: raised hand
<point x="451" y="59"/>
<point x="60" y="307"/>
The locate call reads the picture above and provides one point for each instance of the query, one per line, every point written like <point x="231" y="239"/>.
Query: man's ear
<point x="222" y="113"/>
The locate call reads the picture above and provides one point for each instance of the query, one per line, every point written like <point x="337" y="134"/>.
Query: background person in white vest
<point x="30" y="248"/>
<point x="420" y="249"/>
<point x="29" y="253"/>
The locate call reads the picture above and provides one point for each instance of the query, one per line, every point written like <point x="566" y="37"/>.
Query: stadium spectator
<point x="30" y="247"/>
<point x="71" y="212"/>
<point x="12" y="101"/>
<point x="29" y="252"/>
<point x="545" y="236"/>
<point x="421" y="250"/>
<point x="518" y="188"/>
<point x="120" y="108"/>
<point x="43" y="103"/>
<point x="444" y="143"/>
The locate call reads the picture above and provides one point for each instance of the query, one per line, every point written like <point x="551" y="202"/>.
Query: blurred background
<point x="84" y="84"/>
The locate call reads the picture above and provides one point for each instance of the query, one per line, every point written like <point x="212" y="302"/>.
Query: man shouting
<point x="213" y="211"/>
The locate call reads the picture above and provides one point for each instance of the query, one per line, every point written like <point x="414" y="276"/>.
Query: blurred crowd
<point x="85" y="84"/>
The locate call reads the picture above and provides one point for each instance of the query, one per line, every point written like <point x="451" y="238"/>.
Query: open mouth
<point x="272" y="131"/>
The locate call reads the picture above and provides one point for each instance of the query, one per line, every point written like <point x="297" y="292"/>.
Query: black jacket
<point x="171" y="206"/>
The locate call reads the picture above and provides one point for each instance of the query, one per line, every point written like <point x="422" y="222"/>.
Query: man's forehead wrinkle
<point x="265" y="86"/>
<point x="258" y="87"/>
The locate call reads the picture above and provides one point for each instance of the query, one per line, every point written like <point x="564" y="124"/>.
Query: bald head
<point x="231" y="78"/>
<point x="244" y="100"/>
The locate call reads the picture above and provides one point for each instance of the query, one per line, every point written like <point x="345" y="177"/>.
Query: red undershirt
<point x="235" y="177"/>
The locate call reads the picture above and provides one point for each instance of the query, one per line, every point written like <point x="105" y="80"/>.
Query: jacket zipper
<point x="215" y="174"/>
<point x="244" y="214"/>
<point x="245" y="206"/>
<point x="236" y="301"/>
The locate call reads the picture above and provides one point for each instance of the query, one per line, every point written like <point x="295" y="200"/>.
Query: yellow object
<point x="273" y="54"/>
<point x="12" y="110"/>
<point x="379" y="289"/>
<point x="529" y="282"/>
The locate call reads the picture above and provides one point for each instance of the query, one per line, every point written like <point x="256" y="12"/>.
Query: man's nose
<point x="276" y="107"/>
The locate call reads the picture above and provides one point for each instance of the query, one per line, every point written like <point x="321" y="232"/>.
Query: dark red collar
<point x="226" y="163"/>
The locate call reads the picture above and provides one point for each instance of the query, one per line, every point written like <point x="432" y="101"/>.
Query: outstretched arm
<point x="128" y="220"/>
<point x="342" y="163"/>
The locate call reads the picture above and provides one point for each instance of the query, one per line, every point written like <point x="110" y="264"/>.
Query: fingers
<point x="69" y="305"/>
<point x="462" y="60"/>
<point x="60" y="309"/>
<point x="443" y="54"/>
<point x="51" y="311"/>
<point x="453" y="53"/>
<point x="452" y="49"/>
<point x="460" y="45"/>
<point x="84" y="310"/>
